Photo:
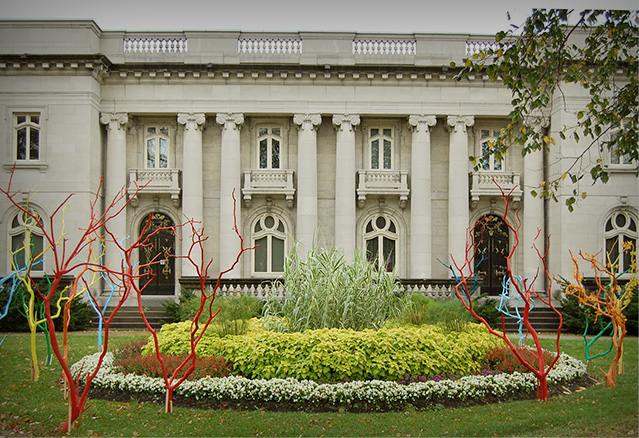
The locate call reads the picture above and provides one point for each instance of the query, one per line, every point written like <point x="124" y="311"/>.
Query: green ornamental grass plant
<point x="327" y="291"/>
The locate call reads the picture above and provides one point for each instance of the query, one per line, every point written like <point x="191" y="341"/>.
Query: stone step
<point x="128" y="318"/>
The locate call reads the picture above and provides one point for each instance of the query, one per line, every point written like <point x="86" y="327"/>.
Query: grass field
<point x="37" y="408"/>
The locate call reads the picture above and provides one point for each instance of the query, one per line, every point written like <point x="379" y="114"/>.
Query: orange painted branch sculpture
<point x="523" y="290"/>
<point x="608" y="299"/>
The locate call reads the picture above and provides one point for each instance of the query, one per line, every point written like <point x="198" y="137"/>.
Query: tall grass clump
<point x="327" y="291"/>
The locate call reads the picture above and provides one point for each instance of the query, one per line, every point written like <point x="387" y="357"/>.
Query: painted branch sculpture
<point x="608" y="299"/>
<point x="522" y="289"/>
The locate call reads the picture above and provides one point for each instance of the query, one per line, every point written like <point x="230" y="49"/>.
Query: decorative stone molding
<point x="314" y="120"/>
<point x="345" y="121"/>
<point x="117" y="120"/>
<point x="268" y="182"/>
<point x="382" y="183"/>
<point x="191" y="120"/>
<point x="421" y="122"/>
<point x="460" y="122"/>
<point x="230" y="120"/>
<point x="537" y="122"/>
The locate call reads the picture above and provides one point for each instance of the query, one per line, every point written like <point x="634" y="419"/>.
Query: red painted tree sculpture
<point x="522" y="289"/>
<point x="78" y="259"/>
<point x="200" y="324"/>
<point x="608" y="299"/>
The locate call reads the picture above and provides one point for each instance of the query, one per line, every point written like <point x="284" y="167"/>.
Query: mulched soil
<point x="576" y="385"/>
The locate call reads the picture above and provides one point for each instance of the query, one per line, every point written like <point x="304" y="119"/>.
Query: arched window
<point x="491" y="237"/>
<point x="620" y="235"/>
<point x="381" y="239"/>
<point x="269" y="239"/>
<point x="381" y="146"/>
<point x="27" y="243"/>
<point x="269" y="142"/>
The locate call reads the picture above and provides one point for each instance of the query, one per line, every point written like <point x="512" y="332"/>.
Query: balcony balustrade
<point x="487" y="183"/>
<point x="382" y="183"/>
<point x="155" y="182"/>
<point x="269" y="183"/>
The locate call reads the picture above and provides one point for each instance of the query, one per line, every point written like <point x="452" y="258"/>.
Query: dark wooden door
<point x="161" y="247"/>
<point x="491" y="236"/>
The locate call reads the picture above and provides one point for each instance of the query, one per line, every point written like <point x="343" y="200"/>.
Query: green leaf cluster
<point x="330" y="355"/>
<point x="548" y="52"/>
<point x="326" y="291"/>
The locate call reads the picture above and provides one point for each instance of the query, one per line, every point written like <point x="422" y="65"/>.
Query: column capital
<point x="421" y="122"/>
<point x="117" y="120"/>
<point x="345" y="121"/>
<point x="191" y="120"/>
<point x="537" y="122"/>
<point x="313" y="120"/>
<point x="230" y="120"/>
<point x="460" y="122"/>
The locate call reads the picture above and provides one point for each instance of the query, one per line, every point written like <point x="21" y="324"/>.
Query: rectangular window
<point x="381" y="148"/>
<point x="27" y="136"/>
<point x="269" y="142"/>
<point x="617" y="159"/>
<point x="490" y="162"/>
<point x="157" y="147"/>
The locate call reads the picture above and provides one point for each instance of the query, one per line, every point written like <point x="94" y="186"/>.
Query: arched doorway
<point x="491" y="236"/>
<point x="161" y="246"/>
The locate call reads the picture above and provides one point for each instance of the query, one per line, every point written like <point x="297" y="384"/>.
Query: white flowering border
<point x="235" y="388"/>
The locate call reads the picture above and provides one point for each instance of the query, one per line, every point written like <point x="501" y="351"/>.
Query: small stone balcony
<point x="155" y="182"/>
<point x="384" y="183"/>
<point x="487" y="183"/>
<point x="269" y="183"/>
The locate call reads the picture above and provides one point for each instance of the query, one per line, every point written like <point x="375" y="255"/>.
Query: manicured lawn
<point x="38" y="408"/>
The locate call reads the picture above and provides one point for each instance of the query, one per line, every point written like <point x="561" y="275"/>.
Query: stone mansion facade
<point x="358" y="141"/>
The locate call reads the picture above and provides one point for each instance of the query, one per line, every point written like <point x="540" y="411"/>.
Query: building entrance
<point x="162" y="245"/>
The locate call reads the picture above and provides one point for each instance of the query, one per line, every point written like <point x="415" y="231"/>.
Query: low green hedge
<point x="330" y="355"/>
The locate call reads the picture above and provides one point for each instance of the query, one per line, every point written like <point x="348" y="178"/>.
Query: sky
<point x="379" y="16"/>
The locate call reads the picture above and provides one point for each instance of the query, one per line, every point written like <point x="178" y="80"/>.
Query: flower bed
<point x="309" y="393"/>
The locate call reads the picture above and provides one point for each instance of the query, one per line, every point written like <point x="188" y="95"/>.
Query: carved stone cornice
<point x="537" y="122"/>
<point x="460" y="122"/>
<point x="345" y="121"/>
<point x="421" y="122"/>
<point x="230" y="120"/>
<point x="114" y="120"/>
<point x="191" y="120"/>
<point x="311" y="121"/>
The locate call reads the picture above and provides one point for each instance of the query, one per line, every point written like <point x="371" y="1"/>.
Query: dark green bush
<point x="423" y="310"/>
<point x="82" y="314"/>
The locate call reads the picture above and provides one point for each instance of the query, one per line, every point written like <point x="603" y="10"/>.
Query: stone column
<point x="534" y="207"/>
<point x="458" y="193"/>
<point x="115" y="179"/>
<point x="192" y="185"/>
<point x="306" y="180"/>
<point x="345" y="207"/>
<point x="420" y="204"/>
<point x="230" y="180"/>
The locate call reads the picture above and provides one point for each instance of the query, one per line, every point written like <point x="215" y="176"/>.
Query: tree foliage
<point x="549" y="51"/>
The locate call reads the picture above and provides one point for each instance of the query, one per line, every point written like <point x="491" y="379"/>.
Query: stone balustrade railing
<point x="157" y="45"/>
<point x="474" y="47"/>
<point x="487" y="183"/>
<point x="269" y="46"/>
<point x="268" y="182"/>
<point x="384" y="47"/>
<point x="154" y="182"/>
<point x="382" y="182"/>
<point x="262" y="288"/>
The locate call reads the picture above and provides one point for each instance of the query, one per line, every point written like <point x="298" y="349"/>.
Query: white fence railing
<point x="384" y="47"/>
<point x="155" y="45"/>
<point x="269" y="46"/>
<point x="474" y="47"/>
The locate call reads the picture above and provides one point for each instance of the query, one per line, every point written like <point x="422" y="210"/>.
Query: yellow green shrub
<point x="340" y="354"/>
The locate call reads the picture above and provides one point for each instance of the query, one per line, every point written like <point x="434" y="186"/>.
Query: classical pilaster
<point x="534" y="206"/>
<point x="458" y="216"/>
<point x="230" y="180"/>
<point x="420" y="208"/>
<point x="115" y="178"/>
<point x="306" y="180"/>
<point x="345" y="207"/>
<point x="192" y="185"/>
